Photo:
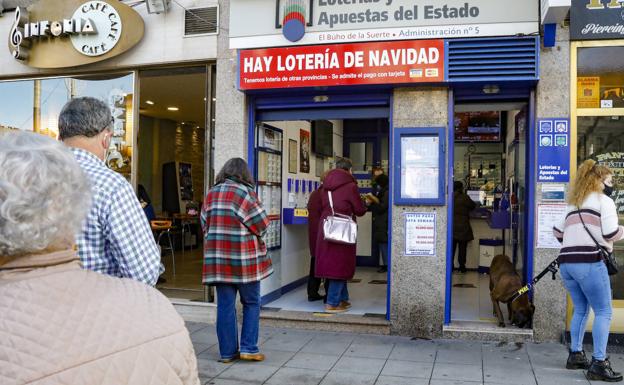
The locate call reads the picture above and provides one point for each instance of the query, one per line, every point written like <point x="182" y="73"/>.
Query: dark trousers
<point x="314" y="283"/>
<point x="461" y="257"/>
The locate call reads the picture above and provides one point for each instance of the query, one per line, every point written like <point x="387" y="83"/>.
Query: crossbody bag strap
<point x="588" y="232"/>
<point x="331" y="202"/>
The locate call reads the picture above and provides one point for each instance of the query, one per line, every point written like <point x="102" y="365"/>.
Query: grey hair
<point x="344" y="164"/>
<point x="44" y="195"/>
<point x="84" y="117"/>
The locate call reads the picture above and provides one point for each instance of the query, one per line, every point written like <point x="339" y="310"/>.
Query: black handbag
<point x="607" y="257"/>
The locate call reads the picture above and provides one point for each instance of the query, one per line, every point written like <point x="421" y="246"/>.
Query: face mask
<point x="608" y="190"/>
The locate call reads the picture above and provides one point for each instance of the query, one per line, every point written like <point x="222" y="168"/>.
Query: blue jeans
<point x="589" y="286"/>
<point x="227" y="327"/>
<point x="337" y="292"/>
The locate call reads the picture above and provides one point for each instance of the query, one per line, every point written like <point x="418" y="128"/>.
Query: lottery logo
<point x="294" y="19"/>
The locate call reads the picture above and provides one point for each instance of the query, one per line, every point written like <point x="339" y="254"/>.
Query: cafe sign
<point x="52" y="34"/>
<point x="597" y="19"/>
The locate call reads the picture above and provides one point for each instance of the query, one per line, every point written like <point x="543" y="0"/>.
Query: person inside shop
<point x="235" y="257"/>
<point x="462" y="231"/>
<point x="336" y="261"/>
<point x="378" y="205"/>
<point x="62" y="324"/>
<point x="314" y="220"/>
<point x="591" y="222"/>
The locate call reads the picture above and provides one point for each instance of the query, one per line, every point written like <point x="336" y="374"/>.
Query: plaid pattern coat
<point x="234" y="222"/>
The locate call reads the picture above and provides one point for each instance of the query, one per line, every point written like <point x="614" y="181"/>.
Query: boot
<point x="601" y="371"/>
<point x="577" y="360"/>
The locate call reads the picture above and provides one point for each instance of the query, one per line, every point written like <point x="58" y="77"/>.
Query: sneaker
<point x="601" y="371"/>
<point x="383" y="269"/>
<point x="229" y="360"/>
<point x="577" y="360"/>
<point x="335" y="309"/>
<point x="345" y="304"/>
<point x="252" y="357"/>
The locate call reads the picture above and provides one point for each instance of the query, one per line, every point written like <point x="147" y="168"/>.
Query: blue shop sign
<point x="553" y="150"/>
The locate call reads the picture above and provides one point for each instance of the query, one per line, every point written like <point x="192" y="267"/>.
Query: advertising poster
<point x="304" y="151"/>
<point x="420" y="234"/>
<point x="342" y="64"/>
<point x="292" y="156"/>
<point x="553" y="150"/>
<point x="615" y="161"/>
<point x="548" y="215"/>
<point x="588" y="92"/>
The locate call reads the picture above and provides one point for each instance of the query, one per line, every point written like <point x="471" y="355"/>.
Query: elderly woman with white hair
<point x="61" y="324"/>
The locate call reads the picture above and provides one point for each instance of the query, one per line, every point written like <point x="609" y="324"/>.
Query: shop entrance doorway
<point x="174" y="139"/>
<point x="490" y="166"/>
<point x="292" y="148"/>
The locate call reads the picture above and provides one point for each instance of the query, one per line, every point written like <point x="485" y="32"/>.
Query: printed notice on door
<point x="420" y="234"/>
<point x="548" y="215"/>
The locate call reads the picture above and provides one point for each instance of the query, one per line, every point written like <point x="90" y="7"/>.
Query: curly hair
<point x="589" y="179"/>
<point x="44" y="195"/>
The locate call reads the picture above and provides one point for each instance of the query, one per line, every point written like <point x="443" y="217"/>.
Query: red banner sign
<point x="418" y="61"/>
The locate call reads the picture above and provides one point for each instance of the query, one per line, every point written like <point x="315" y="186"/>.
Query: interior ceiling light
<point x="149" y="102"/>
<point x="173" y="108"/>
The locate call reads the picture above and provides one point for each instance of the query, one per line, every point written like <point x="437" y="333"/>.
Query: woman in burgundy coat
<point x="334" y="261"/>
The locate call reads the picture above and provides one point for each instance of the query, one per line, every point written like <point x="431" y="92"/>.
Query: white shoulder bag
<point x="339" y="228"/>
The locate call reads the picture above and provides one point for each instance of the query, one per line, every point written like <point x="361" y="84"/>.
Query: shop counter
<point x="295" y="216"/>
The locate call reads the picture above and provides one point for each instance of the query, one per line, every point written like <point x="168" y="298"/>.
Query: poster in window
<point x="420" y="170"/>
<point x="292" y="156"/>
<point x="615" y="162"/>
<point x="588" y="92"/>
<point x="304" y="151"/>
<point x="186" y="182"/>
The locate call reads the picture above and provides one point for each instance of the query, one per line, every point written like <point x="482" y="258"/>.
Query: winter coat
<point x="314" y="218"/>
<point x="462" y="206"/>
<point x="63" y="325"/>
<point x="380" y="216"/>
<point x="234" y="223"/>
<point x="334" y="260"/>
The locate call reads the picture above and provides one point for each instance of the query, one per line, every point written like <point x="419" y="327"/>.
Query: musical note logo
<point x="17" y="35"/>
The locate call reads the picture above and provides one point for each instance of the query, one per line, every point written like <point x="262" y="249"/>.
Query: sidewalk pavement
<point x="302" y="357"/>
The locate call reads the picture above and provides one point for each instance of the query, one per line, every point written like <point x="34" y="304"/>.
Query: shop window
<point x="601" y="138"/>
<point x="35" y="105"/>
<point x="600" y="77"/>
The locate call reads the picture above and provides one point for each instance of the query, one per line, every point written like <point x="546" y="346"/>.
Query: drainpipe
<point x="37" y="106"/>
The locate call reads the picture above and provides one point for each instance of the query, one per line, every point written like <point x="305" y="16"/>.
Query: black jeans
<point x="314" y="283"/>
<point x="461" y="257"/>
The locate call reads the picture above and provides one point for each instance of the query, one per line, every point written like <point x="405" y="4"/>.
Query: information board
<point x="420" y="162"/>
<point x="548" y="215"/>
<point x="553" y="150"/>
<point x="420" y="234"/>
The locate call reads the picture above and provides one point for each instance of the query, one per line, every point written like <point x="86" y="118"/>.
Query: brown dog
<point x="504" y="282"/>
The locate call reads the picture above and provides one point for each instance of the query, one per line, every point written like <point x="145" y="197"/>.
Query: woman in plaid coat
<point x="235" y="257"/>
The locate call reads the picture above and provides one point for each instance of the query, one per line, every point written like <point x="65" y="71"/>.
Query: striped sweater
<point x="601" y="218"/>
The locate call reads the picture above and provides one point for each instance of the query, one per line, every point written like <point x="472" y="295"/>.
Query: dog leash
<point x="553" y="267"/>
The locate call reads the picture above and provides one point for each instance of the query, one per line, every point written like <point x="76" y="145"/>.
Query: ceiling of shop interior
<point x="187" y="92"/>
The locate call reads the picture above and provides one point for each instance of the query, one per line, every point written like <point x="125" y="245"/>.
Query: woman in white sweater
<point x="583" y="271"/>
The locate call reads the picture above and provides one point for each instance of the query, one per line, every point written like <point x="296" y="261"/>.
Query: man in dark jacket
<point x="335" y="261"/>
<point x="462" y="231"/>
<point x="314" y="218"/>
<point x="378" y="204"/>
